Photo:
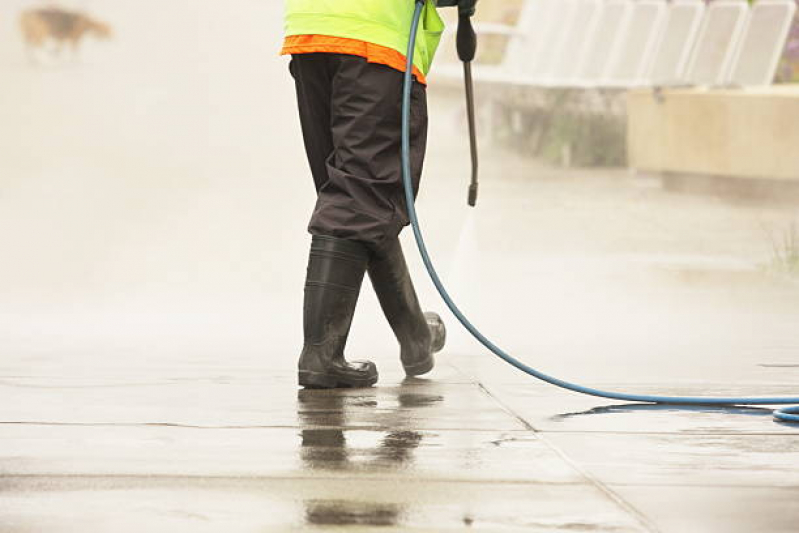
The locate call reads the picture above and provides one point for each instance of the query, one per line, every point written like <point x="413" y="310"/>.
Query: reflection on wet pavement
<point x="326" y="448"/>
<point x="332" y="443"/>
<point x="346" y="513"/>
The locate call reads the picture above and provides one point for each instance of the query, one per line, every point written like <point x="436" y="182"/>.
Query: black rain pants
<point x="350" y="112"/>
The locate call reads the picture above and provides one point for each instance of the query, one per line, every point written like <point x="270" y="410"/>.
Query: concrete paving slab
<point x="674" y="459"/>
<point x="211" y="504"/>
<point x="298" y="453"/>
<point x="709" y="508"/>
<point x="423" y="404"/>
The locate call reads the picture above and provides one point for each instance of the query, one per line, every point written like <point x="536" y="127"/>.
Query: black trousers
<point x="350" y="111"/>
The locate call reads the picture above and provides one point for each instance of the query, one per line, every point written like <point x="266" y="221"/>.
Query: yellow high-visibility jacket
<point x="382" y="22"/>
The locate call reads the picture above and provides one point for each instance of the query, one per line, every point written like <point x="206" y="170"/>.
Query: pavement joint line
<point x="605" y="489"/>
<point x="688" y="433"/>
<point x="494" y="431"/>
<point x="6" y="381"/>
<point x="709" y="486"/>
<point x="524" y="430"/>
<point x="284" y="477"/>
<point x="507" y="409"/>
<point x="301" y="427"/>
<point x="674" y="385"/>
<point x="392" y="428"/>
<point x="393" y="478"/>
<point x="609" y="493"/>
<point x="481" y="387"/>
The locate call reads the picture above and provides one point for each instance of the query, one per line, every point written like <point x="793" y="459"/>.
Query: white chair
<point x="573" y="49"/>
<point x="565" y="25"/>
<point x="604" y="43"/>
<point x="717" y="42"/>
<point x="633" y="56"/>
<point x="540" y="59"/>
<point x="536" y="18"/>
<point x="677" y="42"/>
<point x="762" y="42"/>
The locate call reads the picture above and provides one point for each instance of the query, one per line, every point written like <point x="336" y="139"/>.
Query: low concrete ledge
<point x="744" y="133"/>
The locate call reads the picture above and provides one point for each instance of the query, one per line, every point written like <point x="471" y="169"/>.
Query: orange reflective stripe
<point x="311" y="44"/>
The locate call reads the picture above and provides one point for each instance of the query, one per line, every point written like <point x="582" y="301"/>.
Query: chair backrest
<point x="677" y="41"/>
<point x="603" y="44"/>
<point x="634" y="52"/>
<point x="528" y="36"/>
<point x="716" y="45"/>
<point x="566" y="13"/>
<point x="762" y="42"/>
<point x="574" y="47"/>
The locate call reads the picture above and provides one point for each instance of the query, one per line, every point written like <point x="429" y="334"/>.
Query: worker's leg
<point x="335" y="266"/>
<point x="419" y="334"/>
<point x="333" y="282"/>
<point x="363" y="197"/>
<point x="313" y="76"/>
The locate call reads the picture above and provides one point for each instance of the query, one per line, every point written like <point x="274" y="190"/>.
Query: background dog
<point x="62" y="27"/>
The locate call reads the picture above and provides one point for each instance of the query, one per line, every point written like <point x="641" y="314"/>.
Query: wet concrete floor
<point x="248" y="451"/>
<point x="153" y="202"/>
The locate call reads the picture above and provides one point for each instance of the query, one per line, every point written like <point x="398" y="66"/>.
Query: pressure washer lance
<point x="466" y="42"/>
<point x="785" y="414"/>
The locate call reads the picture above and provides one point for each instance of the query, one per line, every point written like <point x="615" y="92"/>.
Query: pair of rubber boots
<point x="336" y="270"/>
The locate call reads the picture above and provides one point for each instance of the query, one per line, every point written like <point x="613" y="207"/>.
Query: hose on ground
<point x="788" y="414"/>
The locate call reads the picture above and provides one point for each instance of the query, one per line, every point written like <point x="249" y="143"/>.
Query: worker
<point x="347" y="61"/>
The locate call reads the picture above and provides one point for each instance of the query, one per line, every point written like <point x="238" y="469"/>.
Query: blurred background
<point x="639" y="192"/>
<point x="153" y="176"/>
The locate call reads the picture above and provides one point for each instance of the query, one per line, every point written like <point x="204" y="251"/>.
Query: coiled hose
<point x="788" y="414"/>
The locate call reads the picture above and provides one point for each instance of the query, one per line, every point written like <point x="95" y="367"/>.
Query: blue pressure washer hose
<point x="788" y="414"/>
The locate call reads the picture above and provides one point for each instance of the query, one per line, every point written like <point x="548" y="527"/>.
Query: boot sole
<point x="420" y="368"/>
<point x="320" y="380"/>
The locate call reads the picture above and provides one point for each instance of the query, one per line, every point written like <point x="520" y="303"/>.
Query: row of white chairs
<point x="633" y="43"/>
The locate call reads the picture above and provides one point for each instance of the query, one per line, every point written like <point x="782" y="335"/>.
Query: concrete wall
<point x="748" y="133"/>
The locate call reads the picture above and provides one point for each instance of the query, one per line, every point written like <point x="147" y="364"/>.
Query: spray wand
<point x="466" y="42"/>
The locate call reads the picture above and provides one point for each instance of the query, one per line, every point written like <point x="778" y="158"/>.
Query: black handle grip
<point x="466" y="39"/>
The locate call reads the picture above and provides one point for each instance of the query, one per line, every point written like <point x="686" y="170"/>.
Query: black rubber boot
<point x="335" y="273"/>
<point x="420" y="335"/>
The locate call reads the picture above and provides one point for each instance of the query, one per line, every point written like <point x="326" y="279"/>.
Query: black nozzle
<point x="473" y="195"/>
